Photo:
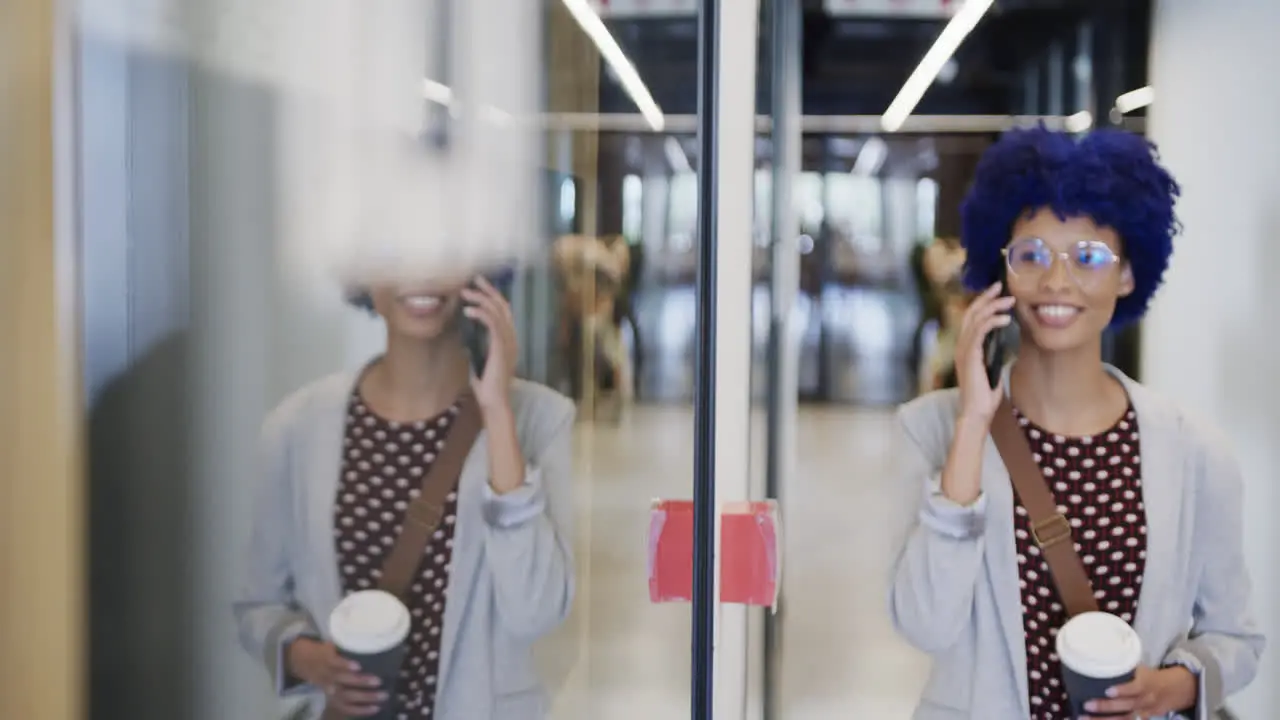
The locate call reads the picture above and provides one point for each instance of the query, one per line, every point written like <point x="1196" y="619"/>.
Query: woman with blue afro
<point x="1049" y="488"/>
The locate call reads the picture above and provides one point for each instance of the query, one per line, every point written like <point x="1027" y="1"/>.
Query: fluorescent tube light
<point x="1079" y="122"/>
<point x="595" y="29"/>
<point x="1135" y="99"/>
<point x="961" y="24"/>
<point x="871" y="157"/>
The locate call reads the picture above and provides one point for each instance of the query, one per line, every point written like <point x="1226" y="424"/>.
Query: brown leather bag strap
<point x="427" y="510"/>
<point x="1050" y="529"/>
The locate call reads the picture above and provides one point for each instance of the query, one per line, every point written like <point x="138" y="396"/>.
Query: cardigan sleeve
<point x="1225" y="643"/>
<point x="266" y="612"/>
<point x="939" y="548"/>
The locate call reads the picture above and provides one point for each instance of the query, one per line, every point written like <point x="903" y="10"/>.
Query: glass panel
<point x="855" y="356"/>
<point x="237" y="191"/>
<point x="224" y="166"/>
<point x="620" y="327"/>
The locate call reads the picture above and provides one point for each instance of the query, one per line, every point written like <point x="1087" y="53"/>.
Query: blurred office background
<point x="151" y="314"/>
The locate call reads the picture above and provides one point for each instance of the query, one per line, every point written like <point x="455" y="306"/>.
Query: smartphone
<point x="994" y="348"/>
<point x="474" y="333"/>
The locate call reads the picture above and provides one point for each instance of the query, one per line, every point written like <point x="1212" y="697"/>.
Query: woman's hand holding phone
<point x="492" y="387"/>
<point x="962" y="474"/>
<point x="487" y="306"/>
<point x="988" y="313"/>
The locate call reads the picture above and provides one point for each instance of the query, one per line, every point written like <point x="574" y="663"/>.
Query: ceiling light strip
<point x="961" y="24"/>
<point x="1135" y="99"/>
<point x="595" y="29"/>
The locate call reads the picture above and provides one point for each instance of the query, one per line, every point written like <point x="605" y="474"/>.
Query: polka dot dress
<point x="1098" y="487"/>
<point x="382" y="470"/>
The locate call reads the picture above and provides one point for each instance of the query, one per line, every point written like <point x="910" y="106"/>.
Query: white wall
<point x="1211" y="342"/>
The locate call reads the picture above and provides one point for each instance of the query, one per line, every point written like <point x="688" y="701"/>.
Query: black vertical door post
<point x="704" y="408"/>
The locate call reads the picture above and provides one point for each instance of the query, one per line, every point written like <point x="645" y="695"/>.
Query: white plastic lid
<point x="369" y="622"/>
<point x="1099" y="644"/>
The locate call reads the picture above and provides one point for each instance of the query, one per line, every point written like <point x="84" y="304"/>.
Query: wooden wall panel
<point x="573" y="86"/>
<point x="41" y="487"/>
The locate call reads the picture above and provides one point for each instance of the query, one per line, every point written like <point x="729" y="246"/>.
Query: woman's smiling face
<point x="422" y="311"/>
<point x="1066" y="276"/>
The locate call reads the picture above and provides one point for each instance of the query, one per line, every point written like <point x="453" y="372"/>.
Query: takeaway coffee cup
<point x="1098" y="650"/>
<point x="370" y="628"/>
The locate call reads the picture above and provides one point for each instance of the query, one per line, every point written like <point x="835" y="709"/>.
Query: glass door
<point x="645" y="332"/>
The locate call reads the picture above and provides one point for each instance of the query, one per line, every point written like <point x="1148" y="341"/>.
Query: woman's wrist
<point x="506" y="462"/>
<point x="1188" y="686"/>
<point x="291" y="659"/>
<point x="962" y="475"/>
<point x="497" y="415"/>
<point x="962" y="496"/>
<point x="976" y="420"/>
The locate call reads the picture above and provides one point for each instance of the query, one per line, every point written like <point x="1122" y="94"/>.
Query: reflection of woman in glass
<point x="1079" y="233"/>
<point x="344" y="457"/>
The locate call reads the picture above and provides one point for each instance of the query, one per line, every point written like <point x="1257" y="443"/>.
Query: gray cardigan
<point x="954" y="590"/>
<point x="512" y="578"/>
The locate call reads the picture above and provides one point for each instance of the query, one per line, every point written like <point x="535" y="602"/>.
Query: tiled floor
<point x="632" y="658"/>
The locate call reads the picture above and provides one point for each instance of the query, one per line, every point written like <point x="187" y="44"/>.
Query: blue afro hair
<point x="1110" y="176"/>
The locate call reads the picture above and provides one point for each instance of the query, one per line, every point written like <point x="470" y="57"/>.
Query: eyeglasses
<point x="1087" y="262"/>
